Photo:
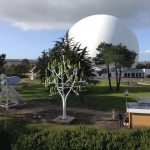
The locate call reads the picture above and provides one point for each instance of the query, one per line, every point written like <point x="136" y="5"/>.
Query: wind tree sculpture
<point x="62" y="78"/>
<point x="9" y="96"/>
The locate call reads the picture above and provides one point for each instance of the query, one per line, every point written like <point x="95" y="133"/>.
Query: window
<point x="128" y="75"/>
<point x="133" y="75"/>
<point x="125" y="75"/>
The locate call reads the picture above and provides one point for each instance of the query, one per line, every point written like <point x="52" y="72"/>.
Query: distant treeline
<point x="143" y="65"/>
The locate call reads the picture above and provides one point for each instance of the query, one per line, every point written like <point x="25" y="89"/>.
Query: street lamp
<point x="126" y="93"/>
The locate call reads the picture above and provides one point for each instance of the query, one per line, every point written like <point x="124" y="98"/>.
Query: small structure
<point x="32" y="73"/>
<point x="8" y="95"/>
<point x="139" y="112"/>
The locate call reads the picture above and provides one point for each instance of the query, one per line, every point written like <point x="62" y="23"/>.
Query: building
<point x="93" y="30"/>
<point x="133" y="73"/>
<point x="139" y="112"/>
<point x="126" y="73"/>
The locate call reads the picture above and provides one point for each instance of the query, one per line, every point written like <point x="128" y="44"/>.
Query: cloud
<point x="49" y="14"/>
<point x="147" y="52"/>
<point x="144" y="55"/>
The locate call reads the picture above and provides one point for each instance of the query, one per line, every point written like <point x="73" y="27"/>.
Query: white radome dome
<point x="93" y="30"/>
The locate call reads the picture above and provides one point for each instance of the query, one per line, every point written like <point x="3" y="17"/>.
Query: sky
<point x="27" y="27"/>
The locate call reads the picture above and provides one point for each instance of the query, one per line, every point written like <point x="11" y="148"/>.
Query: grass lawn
<point x="11" y="123"/>
<point x="96" y="97"/>
<point x="32" y="89"/>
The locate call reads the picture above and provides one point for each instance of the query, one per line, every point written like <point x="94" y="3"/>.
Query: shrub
<point x="35" y="140"/>
<point x="83" y="138"/>
<point x="5" y="140"/>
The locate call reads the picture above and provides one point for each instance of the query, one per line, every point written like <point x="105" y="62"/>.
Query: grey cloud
<point x="45" y="14"/>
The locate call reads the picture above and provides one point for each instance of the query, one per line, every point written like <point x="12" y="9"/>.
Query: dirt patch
<point x="44" y="111"/>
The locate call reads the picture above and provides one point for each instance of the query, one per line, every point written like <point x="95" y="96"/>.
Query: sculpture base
<point x="68" y="120"/>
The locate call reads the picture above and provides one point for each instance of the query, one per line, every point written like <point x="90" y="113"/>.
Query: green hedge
<point x="5" y="140"/>
<point x="83" y="138"/>
<point x="80" y="138"/>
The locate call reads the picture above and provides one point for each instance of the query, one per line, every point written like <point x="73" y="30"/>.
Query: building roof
<point x="141" y="106"/>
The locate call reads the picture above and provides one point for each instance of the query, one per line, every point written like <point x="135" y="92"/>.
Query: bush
<point x="83" y="138"/>
<point x="32" y="141"/>
<point x="147" y="76"/>
<point x="80" y="138"/>
<point x="5" y="140"/>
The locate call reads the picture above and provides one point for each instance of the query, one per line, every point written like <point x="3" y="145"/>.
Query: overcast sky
<point x="24" y="23"/>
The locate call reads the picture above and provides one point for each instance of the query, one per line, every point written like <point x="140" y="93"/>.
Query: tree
<point x="41" y="65"/>
<point x="122" y="57"/>
<point x="140" y="66"/>
<point x="117" y="55"/>
<point x="18" y="69"/>
<point x="26" y="65"/>
<point x="62" y="77"/>
<point x="145" y="65"/>
<point x="10" y="70"/>
<point x="104" y="57"/>
<point x="71" y="50"/>
<point x="2" y="62"/>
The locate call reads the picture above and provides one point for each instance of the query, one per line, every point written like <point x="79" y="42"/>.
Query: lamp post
<point x="126" y="93"/>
